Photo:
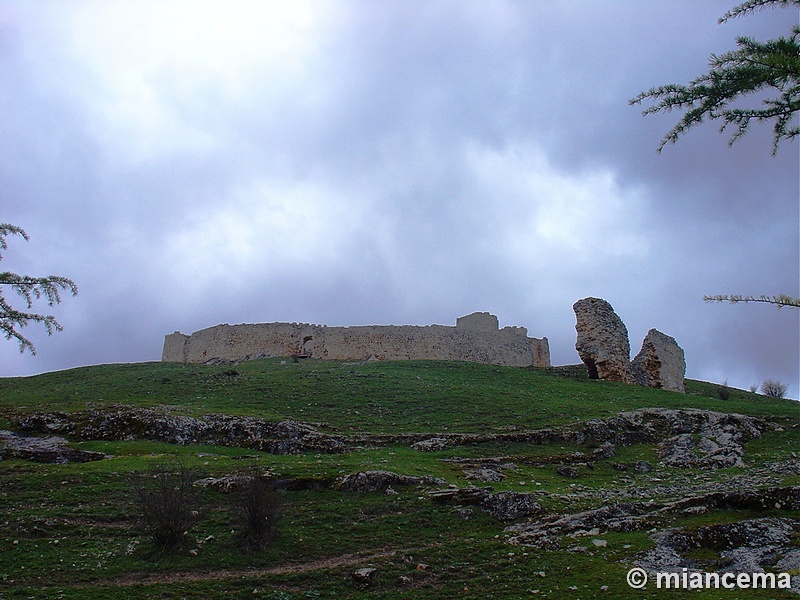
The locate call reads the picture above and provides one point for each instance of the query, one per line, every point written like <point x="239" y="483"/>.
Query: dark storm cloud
<point x="354" y="163"/>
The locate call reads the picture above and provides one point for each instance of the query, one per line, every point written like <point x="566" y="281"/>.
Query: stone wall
<point x="475" y="338"/>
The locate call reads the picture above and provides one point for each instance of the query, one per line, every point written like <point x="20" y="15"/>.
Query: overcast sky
<point x="387" y="162"/>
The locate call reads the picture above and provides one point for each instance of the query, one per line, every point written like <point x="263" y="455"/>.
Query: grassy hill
<point x="71" y="531"/>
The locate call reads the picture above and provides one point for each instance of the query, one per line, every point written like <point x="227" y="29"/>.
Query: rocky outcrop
<point x="235" y="483"/>
<point x="43" y="449"/>
<point x="364" y="577"/>
<point x="430" y="445"/>
<point x="602" y="342"/>
<point x="509" y="506"/>
<point x="375" y="481"/>
<point x="750" y="546"/>
<point x="628" y="516"/>
<point x="129" y="423"/>
<point x="504" y="506"/>
<point x="637" y="516"/>
<point x="687" y="437"/>
<point x="660" y="363"/>
<point x="604" y="348"/>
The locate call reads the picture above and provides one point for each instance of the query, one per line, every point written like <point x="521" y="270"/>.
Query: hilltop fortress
<point x="475" y="338"/>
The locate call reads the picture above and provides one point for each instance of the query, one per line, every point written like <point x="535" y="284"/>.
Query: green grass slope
<point x="70" y="530"/>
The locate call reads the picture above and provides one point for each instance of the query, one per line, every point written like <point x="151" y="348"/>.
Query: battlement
<point x="475" y="338"/>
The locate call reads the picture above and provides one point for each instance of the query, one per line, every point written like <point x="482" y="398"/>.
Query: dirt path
<point x="332" y="562"/>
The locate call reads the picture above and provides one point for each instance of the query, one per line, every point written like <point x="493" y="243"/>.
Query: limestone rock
<point x="430" y="445"/>
<point x="374" y="481"/>
<point x="485" y="474"/>
<point x="638" y="516"/>
<point x="568" y="471"/>
<point x="44" y="449"/>
<point x="689" y="437"/>
<point x="744" y="546"/>
<point x="224" y="484"/>
<point x="364" y="577"/>
<point x="508" y="506"/>
<point x="660" y="363"/>
<point x="504" y="506"/>
<point x="604" y="348"/>
<point x="602" y="342"/>
<point x="130" y="423"/>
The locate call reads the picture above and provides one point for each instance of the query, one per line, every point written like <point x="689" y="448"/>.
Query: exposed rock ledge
<point x="636" y="516"/>
<point x="686" y="437"/>
<point x="750" y="546"/>
<point x="378" y="480"/>
<point x="44" y="449"/>
<point x="125" y="423"/>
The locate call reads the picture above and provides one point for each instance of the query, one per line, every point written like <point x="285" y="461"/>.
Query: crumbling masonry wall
<point x="475" y="338"/>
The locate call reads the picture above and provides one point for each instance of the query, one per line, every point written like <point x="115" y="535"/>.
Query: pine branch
<point x="31" y="289"/>
<point x="753" y="67"/>
<point x="751" y="6"/>
<point x="12" y="319"/>
<point x="7" y="229"/>
<point x="38" y="287"/>
<point x="780" y="301"/>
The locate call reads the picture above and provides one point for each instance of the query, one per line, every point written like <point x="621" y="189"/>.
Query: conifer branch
<point x="780" y="301"/>
<point x="753" y="67"/>
<point x="31" y="289"/>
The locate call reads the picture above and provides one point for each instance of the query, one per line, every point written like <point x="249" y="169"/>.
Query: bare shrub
<point x="258" y="506"/>
<point x="723" y="391"/>
<point x="168" y="503"/>
<point x="773" y="388"/>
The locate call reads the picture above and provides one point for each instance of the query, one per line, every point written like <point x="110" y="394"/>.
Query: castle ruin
<point x="475" y="338"/>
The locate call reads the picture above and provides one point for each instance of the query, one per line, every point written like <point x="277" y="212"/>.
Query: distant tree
<point x="30" y="288"/>
<point x="754" y="68"/>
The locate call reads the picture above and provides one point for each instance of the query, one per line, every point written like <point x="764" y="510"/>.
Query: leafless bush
<point x="258" y="506"/>
<point x="723" y="391"/>
<point x="773" y="388"/>
<point x="169" y="506"/>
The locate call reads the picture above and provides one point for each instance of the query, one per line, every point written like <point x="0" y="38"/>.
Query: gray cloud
<point x="355" y="163"/>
